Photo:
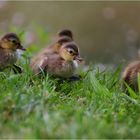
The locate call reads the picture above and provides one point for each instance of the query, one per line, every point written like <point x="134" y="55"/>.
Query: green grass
<point x="94" y="107"/>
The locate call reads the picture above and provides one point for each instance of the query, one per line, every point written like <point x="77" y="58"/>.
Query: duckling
<point x="65" y="32"/>
<point x="130" y="74"/>
<point x="63" y="36"/>
<point x="53" y="48"/>
<point x="62" y="64"/>
<point x="9" y="44"/>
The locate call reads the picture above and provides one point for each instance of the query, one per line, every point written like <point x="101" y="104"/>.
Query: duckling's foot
<point x="17" y="69"/>
<point x="75" y="78"/>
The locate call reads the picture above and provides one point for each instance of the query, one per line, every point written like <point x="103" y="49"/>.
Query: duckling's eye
<point x="70" y="52"/>
<point x="14" y="41"/>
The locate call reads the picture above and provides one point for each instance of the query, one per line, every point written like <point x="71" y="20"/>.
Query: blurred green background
<point x="107" y="32"/>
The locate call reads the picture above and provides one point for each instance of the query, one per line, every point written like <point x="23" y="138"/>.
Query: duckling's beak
<point x="78" y="58"/>
<point x="20" y="47"/>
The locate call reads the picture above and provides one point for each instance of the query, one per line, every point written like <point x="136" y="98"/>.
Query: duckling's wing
<point x="40" y="65"/>
<point x="6" y="59"/>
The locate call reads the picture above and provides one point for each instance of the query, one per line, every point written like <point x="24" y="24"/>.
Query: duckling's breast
<point x="63" y="69"/>
<point x="12" y="58"/>
<point x="68" y="69"/>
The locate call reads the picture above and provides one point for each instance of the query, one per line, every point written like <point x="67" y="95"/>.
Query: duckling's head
<point x="60" y="41"/>
<point x="66" y="32"/>
<point x="69" y="52"/>
<point x="11" y="41"/>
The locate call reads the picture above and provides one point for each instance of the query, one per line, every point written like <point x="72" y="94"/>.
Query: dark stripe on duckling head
<point x="66" y="32"/>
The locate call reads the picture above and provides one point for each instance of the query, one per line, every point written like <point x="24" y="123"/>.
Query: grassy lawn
<point x="94" y="107"/>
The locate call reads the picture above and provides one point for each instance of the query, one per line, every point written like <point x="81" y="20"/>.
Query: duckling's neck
<point x="68" y="61"/>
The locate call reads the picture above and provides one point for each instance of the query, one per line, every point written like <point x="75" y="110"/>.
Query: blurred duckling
<point x="130" y="74"/>
<point x="65" y="32"/>
<point x="62" y="64"/>
<point x="51" y="49"/>
<point x="9" y="44"/>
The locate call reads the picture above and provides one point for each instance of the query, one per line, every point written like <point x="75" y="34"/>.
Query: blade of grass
<point x="139" y="83"/>
<point x="131" y="91"/>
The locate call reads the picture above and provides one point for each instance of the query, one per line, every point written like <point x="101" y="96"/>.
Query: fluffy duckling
<point x="8" y="52"/>
<point x="65" y="32"/>
<point x="62" y="64"/>
<point x="63" y="36"/>
<point x="130" y="75"/>
<point x="51" y="49"/>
